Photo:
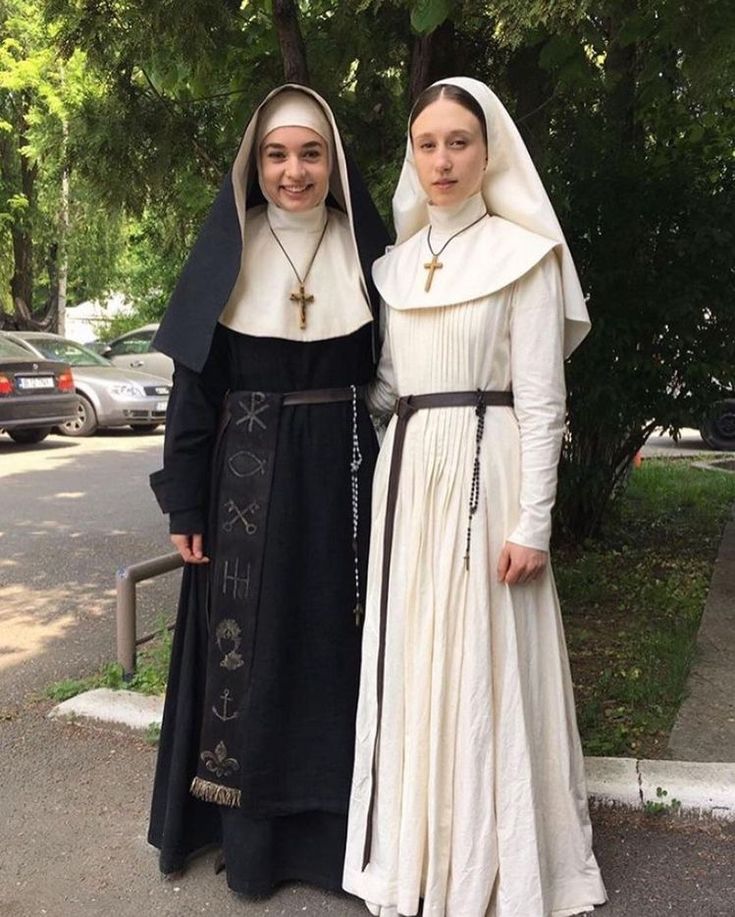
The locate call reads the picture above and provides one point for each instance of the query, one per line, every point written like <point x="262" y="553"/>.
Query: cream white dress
<point x="481" y="806"/>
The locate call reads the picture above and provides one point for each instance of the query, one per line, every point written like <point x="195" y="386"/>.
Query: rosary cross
<point x="304" y="300"/>
<point x="433" y="265"/>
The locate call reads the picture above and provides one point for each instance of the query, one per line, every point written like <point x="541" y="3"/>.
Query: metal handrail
<point x="126" y="580"/>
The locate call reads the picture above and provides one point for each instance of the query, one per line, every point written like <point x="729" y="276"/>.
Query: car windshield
<point x="67" y="351"/>
<point x="13" y="351"/>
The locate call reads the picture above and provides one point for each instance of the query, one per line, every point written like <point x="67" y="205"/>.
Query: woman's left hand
<point x="518" y="564"/>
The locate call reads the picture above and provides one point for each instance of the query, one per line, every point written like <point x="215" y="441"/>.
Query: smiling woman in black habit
<point x="268" y="459"/>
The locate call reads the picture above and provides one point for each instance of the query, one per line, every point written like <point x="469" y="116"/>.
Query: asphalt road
<point x="72" y="511"/>
<point x="74" y="799"/>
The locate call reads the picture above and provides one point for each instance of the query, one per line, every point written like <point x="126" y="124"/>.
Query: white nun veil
<point x="512" y="190"/>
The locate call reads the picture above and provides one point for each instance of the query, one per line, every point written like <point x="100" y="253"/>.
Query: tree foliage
<point x="626" y="105"/>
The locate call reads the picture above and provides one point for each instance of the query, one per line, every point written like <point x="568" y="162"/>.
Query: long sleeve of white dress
<point x="537" y="374"/>
<point x="382" y="394"/>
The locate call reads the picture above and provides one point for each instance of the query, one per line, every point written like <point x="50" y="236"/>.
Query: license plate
<point x="161" y="405"/>
<point x="34" y="382"/>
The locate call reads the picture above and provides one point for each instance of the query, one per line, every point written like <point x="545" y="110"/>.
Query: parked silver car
<point x="135" y="350"/>
<point x="108" y="395"/>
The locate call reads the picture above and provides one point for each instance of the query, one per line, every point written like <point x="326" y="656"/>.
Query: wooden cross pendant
<point x="433" y="265"/>
<point x="304" y="300"/>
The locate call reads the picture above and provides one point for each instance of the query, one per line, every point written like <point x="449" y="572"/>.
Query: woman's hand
<point x="518" y="564"/>
<point x="191" y="548"/>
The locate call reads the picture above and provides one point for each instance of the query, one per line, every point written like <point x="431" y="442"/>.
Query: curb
<point x="700" y="788"/>
<point x="123" y="708"/>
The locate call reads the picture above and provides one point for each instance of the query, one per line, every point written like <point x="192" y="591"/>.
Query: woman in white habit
<point x="468" y="795"/>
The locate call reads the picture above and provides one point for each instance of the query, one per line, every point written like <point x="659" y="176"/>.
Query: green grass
<point x="149" y="678"/>
<point x="633" y="600"/>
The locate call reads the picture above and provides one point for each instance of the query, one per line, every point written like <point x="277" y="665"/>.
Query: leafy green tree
<point x="46" y="232"/>
<point x="626" y="106"/>
<point x="629" y="112"/>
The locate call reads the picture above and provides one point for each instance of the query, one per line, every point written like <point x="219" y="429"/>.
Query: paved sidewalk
<point x="74" y="810"/>
<point x="705" y="727"/>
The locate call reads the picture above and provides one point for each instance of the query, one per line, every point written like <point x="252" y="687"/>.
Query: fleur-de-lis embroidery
<point x="218" y="762"/>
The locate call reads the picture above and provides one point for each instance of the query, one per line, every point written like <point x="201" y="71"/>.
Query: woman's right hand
<point x="191" y="548"/>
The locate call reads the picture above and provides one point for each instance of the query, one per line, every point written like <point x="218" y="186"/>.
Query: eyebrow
<point x="309" y="145"/>
<point x="460" y="131"/>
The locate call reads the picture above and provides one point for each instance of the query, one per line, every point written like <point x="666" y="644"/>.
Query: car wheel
<point x="718" y="431"/>
<point x="144" y="427"/>
<point x="85" y="423"/>
<point x="26" y="437"/>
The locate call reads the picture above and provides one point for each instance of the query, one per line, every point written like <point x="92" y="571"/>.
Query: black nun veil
<point x="257" y="739"/>
<point x="211" y="269"/>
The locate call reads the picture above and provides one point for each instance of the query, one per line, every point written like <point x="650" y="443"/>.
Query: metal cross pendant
<point x="433" y="265"/>
<point x="304" y="300"/>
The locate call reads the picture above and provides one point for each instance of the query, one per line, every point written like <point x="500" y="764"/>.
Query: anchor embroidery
<point x="225" y="716"/>
<point x="240" y="584"/>
<point x="242" y="460"/>
<point x="240" y="515"/>
<point x="252" y="411"/>
<point x="217" y="761"/>
<point x="228" y="631"/>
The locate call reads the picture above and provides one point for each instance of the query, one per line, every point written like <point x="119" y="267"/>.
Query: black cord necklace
<point x="302" y="298"/>
<point x="435" y="264"/>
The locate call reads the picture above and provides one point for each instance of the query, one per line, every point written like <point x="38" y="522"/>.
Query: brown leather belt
<point x="322" y="395"/>
<point x="405" y="408"/>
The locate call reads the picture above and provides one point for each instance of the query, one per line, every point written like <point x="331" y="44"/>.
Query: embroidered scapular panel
<point x="240" y="498"/>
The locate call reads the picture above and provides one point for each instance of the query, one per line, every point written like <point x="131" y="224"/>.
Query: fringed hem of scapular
<point x="214" y="792"/>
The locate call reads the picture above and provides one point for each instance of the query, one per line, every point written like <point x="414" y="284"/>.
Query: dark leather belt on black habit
<point x="405" y="408"/>
<point x="322" y="395"/>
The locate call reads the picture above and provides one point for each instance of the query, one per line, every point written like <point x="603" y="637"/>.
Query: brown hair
<point x="454" y="94"/>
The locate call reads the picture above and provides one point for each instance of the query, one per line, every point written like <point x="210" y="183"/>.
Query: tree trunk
<point x="531" y="88"/>
<point x="63" y="252"/>
<point x="418" y="78"/>
<point x="621" y="68"/>
<point x="433" y="56"/>
<point x="291" y="41"/>
<point x="21" y="283"/>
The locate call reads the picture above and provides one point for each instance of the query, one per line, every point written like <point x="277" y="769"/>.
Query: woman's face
<point x="294" y="167"/>
<point x="449" y="152"/>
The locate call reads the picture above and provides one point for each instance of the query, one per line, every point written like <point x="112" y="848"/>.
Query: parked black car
<point x="718" y="430"/>
<point x="35" y="395"/>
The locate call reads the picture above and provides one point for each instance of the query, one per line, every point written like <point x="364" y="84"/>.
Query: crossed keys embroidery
<point x="252" y="411"/>
<point x="240" y="515"/>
